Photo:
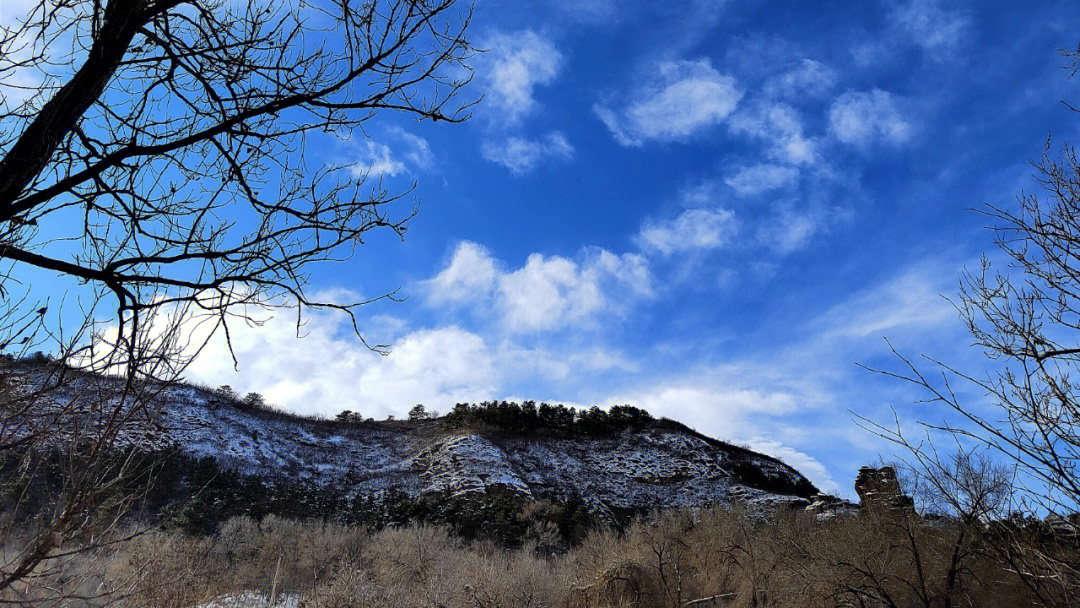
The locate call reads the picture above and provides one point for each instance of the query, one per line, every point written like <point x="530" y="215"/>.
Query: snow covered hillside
<point x="659" y="464"/>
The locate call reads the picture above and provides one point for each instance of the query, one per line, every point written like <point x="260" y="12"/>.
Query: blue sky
<point x="709" y="209"/>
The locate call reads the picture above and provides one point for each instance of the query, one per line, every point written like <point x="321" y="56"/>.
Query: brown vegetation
<point x="711" y="557"/>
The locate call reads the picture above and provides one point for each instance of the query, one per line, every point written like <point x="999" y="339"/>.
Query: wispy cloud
<point x="928" y="24"/>
<point x="865" y="117"/>
<point x="808" y="77"/>
<point x="910" y="300"/>
<point x="399" y="151"/>
<point x="682" y="99"/>
<point x="515" y="64"/>
<point x="790" y="396"/>
<point x="780" y="126"/>
<point x="522" y="155"/>
<point x="804" y="463"/>
<point x="595" y="12"/>
<point x="790" y="229"/>
<point x="755" y="179"/>
<point x="375" y="160"/>
<point x="940" y="32"/>
<point x="692" y="229"/>
<point x="416" y="149"/>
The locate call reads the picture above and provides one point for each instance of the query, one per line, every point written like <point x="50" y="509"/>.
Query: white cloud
<point x="513" y="66"/>
<point x="545" y="294"/>
<point x="437" y="367"/>
<point x="778" y="124"/>
<point x="403" y="153"/>
<point x="701" y="194"/>
<point x="521" y="155"/>
<point x="938" y="31"/>
<point x="756" y="179"/>
<point x="375" y="160"/>
<point x="553" y="292"/>
<point x="602" y="359"/>
<point x="810" y="77"/>
<point x="727" y="407"/>
<point x="470" y="273"/>
<point x="559" y="364"/>
<point x="693" y="229"/>
<point x="864" y="117"/>
<point x="683" y="99"/>
<point x="630" y="270"/>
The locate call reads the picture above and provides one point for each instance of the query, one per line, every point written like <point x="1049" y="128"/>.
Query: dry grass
<point x="694" y="559"/>
<point x="339" y="566"/>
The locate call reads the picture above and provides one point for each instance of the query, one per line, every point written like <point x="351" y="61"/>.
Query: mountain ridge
<point x="624" y="460"/>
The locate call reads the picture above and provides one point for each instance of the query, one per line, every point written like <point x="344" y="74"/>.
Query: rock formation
<point x="879" y="491"/>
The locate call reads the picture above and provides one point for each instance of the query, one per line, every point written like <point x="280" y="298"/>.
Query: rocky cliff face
<point x="661" y="464"/>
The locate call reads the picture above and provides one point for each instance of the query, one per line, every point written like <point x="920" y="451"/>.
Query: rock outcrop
<point x="827" y="506"/>
<point x="879" y="491"/>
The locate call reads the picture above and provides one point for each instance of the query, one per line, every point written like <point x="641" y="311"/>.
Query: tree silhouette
<point x="165" y="165"/>
<point x="160" y="160"/>
<point x="1026" y="320"/>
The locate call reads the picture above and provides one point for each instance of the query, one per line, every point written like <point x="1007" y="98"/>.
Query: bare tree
<point x="159" y="160"/>
<point x="169" y="143"/>
<point x="1024" y="407"/>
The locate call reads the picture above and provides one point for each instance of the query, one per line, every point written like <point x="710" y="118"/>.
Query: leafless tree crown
<point x="1022" y="411"/>
<point x="160" y="155"/>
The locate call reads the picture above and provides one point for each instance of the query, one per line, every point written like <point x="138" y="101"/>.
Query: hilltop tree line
<point x="531" y="417"/>
<point x="527" y="417"/>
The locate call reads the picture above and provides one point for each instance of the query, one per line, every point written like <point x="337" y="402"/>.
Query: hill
<point x="615" y="461"/>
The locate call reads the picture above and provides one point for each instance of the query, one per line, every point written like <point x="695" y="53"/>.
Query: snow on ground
<point x="651" y="467"/>
<point x="253" y="599"/>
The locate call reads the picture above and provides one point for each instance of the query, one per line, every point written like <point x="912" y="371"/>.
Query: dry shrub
<point x="424" y="566"/>
<point x="729" y="557"/>
<point x="179" y="570"/>
<point x="680" y="559"/>
<point x="175" y="571"/>
<point x="651" y="565"/>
